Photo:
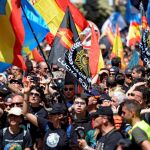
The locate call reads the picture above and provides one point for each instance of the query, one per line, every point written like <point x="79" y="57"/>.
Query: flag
<point x="143" y="19"/>
<point x="4" y="66"/>
<point x="134" y="35"/>
<point x="118" y="48"/>
<point x="37" y="23"/>
<point x="86" y="34"/>
<point x="132" y="14"/>
<point x="16" y="31"/>
<point x="67" y="51"/>
<point x="148" y="13"/>
<point x="35" y="55"/>
<point x="134" y="60"/>
<point x="110" y="35"/>
<point x="94" y="55"/>
<point x="12" y="33"/>
<point x="112" y="21"/>
<point x="53" y="12"/>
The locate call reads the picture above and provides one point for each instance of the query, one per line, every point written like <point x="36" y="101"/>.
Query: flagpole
<point x="49" y="68"/>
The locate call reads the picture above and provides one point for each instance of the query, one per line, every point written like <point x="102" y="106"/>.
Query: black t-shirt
<point x="55" y="139"/>
<point x="39" y="112"/>
<point x="85" y="123"/>
<point x="20" y="140"/>
<point x="109" y="141"/>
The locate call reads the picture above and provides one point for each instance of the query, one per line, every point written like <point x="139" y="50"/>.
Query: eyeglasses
<point x="34" y="94"/>
<point x="19" y="104"/>
<point x="131" y="94"/>
<point x="68" y="89"/>
<point x="77" y="103"/>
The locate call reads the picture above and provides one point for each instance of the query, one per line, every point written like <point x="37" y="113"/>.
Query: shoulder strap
<point x="4" y="131"/>
<point x="24" y="132"/>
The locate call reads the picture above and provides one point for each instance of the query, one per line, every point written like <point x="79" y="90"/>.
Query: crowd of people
<point x="40" y="111"/>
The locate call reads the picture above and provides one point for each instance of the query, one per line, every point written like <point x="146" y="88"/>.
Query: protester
<point x="140" y="132"/>
<point x="13" y="136"/>
<point x="108" y="135"/>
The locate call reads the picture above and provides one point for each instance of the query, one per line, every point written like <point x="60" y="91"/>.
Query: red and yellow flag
<point x="53" y="12"/>
<point x="134" y="34"/>
<point x="11" y="33"/>
<point x="118" y="48"/>
<point x="110" y="35"/>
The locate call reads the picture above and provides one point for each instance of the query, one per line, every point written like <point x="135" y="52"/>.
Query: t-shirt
<point x="39" y="112"/>
<point x="18" y="141"/>
<point x="138" y="136"/>
<point x="55" y="139"/>
<point x="109" y="141"/>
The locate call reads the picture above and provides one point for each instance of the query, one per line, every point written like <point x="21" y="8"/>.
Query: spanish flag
<point x="53" y="12"/>
<point x="11" y="33"/>
<point x="15" y="31"/>
<point x="134" y="34"/>
<point x="118" y="48"/>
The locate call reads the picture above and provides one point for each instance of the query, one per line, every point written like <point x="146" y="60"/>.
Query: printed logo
<point x="52" y="140"/>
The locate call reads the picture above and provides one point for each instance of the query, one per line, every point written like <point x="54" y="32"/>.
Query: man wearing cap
<point x="16" y="86"/>
<point x="15" y="137"/>
<point x="55" y="137"/>
<point x="105" y="123"/>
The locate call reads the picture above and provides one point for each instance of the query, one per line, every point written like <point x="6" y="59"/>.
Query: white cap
<point x="15" y="111"/>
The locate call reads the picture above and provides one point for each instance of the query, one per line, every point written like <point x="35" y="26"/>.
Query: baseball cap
<point x="114" y="69"/>
<point x="104" y="97"/>
<point x="16" y="81"/>
<point x="128" y="71"/>
<point x="93" y="92"/>
<point x="103" y="110"/>
<point x="15" y="111"/>
<point x="57" y="108"/>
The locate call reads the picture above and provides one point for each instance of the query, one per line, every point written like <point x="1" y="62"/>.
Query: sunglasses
<point x="19" y="104"/>
<point x="68" y="89"/>
<point x="112" y="73"/>
<point x="34" y="94"/>
<point x="131" y="94"/>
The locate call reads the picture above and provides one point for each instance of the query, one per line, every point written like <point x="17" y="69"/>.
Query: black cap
<point x="16" y="81"/>
<point x="128" y="71"/>
<point x="103" y="110"/>
<point x="57" y="108"/>
<point x="114" y="69"/>
<point x="104" y="97"/>
<point x="92" y="92"/>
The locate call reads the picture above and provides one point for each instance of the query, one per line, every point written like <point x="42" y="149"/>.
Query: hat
<point x="16" y="81"/>
<point x="128" y="71"/>
<point x="103" y="110"/>
<point x="105" y="97"/>
<point x="92" y="92"/>
<point x="57" y="108"/>
<point x="15" y="111"/>
<point x="114" y="69"/>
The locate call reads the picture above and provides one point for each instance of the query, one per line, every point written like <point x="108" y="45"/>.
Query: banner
<point x="67" y="51"/>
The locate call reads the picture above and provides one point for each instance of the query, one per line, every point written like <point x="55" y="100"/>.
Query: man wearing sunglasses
<point x="69" y="93"/>
<point x="109" y="136"/>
